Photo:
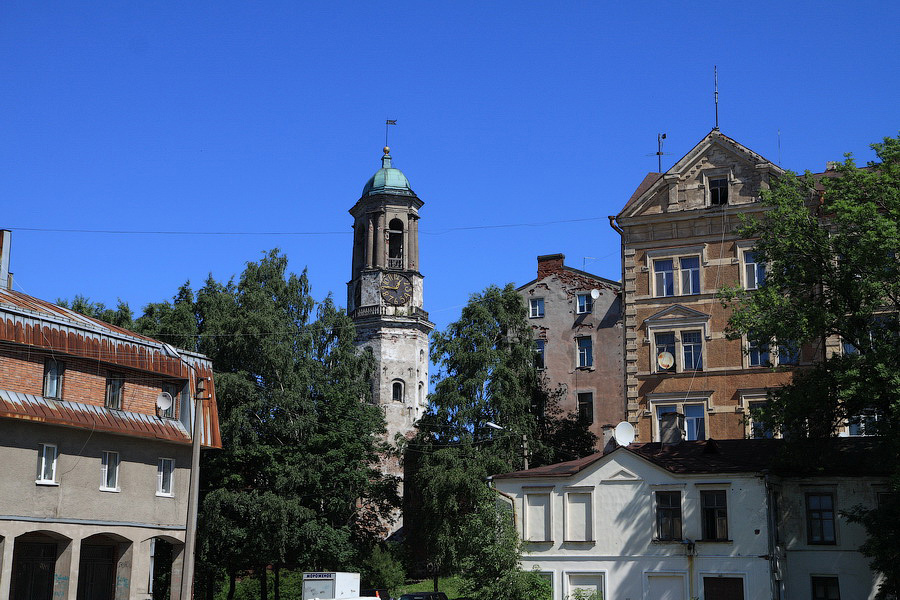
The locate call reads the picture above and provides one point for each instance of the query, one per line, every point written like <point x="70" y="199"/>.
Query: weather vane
<point x="387" y="124"/>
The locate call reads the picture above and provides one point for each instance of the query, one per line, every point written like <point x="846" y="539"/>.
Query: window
<point x="820" y="518"/>
<point x="758" y="354"/>
<point x="585" y="303"/>
<point x="540" y="347"/>
<point x="754" y="271"/>
<point x="395" y="244"/>
<point x="758" y="427"/>
<point x="537" y="517"/>
<point x="668" y="516"/>
<point x="718" y="192"/>
<point x="536" y="306"/>
<point x="109" y="467"/>
<point x="165" y="469"/>
<point x="694" y="419"/>
<point x="826" y="588"/>
<point x="865" y="423"/>
<point x="397" y="391"/>
<point x="115" y="384"/>
<point x="585" y="352"/>
<point x="46" y="464"/>
<point x="690" y="274"/>
<point x="664" y="276"/>
<point x="586" y="407"/>
<point x="665" y="342"/>
<point x="579" y="517"/>
<point x="788" y="353"/>
<point x="714" y="512"/>
<point x="692" y="346"/>
<point x="174" y="390"/>
<point x="53" y="378"/>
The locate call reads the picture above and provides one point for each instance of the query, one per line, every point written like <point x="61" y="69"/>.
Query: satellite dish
<point x="624" y="433"/>
<point x="665" y="360"/>
<point x="164" y="401"/>
<point x="595" y="293"/>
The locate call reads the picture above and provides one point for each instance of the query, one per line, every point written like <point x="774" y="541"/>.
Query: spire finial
<point x="716" y="78"/>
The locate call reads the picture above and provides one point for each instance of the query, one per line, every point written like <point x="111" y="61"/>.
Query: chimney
<point x="607" y="438"/>
<point x="671" y="425"/>
<point x="5" y="275"/>
<point x="549" y="263"/>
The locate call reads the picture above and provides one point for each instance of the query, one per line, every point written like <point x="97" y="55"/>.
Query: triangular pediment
<point x="623" y="475"/>
<point x="676" y="313"/>
<point x="714" y="151"/>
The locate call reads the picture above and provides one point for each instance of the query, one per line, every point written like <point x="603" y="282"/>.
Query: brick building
<point x="679" y="247"/>
<point x="577" y="322"/>
<point x="95" y="443"/>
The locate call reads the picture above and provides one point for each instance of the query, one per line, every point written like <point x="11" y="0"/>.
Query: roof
<point x="579" y="272"/>
<point x="87" y="416"/>
<point x="852" y="456"/>
<point x="387" y="180"/>
<point x="649" y="180"/>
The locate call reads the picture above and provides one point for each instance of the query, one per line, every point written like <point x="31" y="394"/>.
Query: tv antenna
<point x="388" y="123"/>
<point x="659" y="153"/>
<point x="716" y="95"/>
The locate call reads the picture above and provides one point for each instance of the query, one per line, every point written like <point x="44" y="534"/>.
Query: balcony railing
<point x="399" y="311"/>
<point x="395" y="263"/>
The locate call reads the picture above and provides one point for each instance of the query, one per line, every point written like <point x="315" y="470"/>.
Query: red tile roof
<point x="649" y="180"/>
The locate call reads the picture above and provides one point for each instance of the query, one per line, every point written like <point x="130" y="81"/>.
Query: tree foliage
<point x="832" y="249"/>
<point x="485" y="375"/>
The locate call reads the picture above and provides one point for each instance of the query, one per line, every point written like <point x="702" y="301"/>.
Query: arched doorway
<point x="34" y="566"/>
<point x="162" y="553"/>
<point x="98" y="569"/>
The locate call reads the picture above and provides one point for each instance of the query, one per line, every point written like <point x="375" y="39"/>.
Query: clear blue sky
<point x="269" y="117"/>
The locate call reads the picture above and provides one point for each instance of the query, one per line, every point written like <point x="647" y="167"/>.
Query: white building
<point x="695" y="520"/>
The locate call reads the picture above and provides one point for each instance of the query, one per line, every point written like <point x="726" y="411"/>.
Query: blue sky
<point x="538" y="117"/>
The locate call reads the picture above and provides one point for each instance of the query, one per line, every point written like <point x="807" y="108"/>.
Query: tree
<point x="831" y="246"/>
<point x="485" y="374"/>
<point x="121" y="316"/>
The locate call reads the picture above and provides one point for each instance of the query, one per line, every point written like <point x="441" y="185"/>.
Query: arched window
<point x="397" y="391"/>
<point x="395" y="244"/>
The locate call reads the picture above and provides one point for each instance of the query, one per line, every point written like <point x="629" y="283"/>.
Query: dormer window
<point x="718" y="191"/>
<point x="395" y="244"/>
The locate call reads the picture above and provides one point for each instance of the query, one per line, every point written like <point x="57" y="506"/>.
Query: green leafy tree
<point x="121" y="316"/>
<point x="832" y="248"/>
<point x="485" y="375"/>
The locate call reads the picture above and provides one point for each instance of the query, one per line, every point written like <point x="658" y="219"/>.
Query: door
<point x="723" y="588"/>
<point x="665" y="587"/>
<point x="33" y="567"/>
<point x="97" y="572"/>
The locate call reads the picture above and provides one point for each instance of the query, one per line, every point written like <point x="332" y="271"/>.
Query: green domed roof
<point x="388" y="180"/>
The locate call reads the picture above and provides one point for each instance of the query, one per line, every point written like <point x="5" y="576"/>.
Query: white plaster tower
<point x="384" y="296"/>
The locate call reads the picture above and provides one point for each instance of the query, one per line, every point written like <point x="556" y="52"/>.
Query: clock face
<point x="396" y="289"/>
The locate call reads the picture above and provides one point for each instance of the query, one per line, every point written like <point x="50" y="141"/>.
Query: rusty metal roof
<point x="97" y="418"/>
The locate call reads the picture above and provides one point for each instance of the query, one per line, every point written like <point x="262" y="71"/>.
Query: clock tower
<point x="384" y="296"/>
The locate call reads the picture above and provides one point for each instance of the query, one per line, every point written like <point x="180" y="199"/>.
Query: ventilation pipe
<point x="5" y="243"/>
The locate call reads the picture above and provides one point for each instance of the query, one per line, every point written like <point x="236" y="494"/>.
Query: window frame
<point x="826" y="580"/>
<point x="660" y="510"/>
<point x="664" y="278"/>
<point x="693" y="274"/>
<point x="160" y="477"/>
<point x="696" y="365"/>
<point x="402" y="395"/>
<point x="172" y="388"/>
<point x="548" y="514"/>
<point x="715" y="189"/>
<point x="589" y="518"/>
<point x="540" y="354"/>
<point x="678" y="342"/>
<point x="584" y="352"/>
<point x="114" y="380"/>
<point x="536" y="308"/>
<point x="812" y="518"/>
<point x="678" y="404"/>
<point x="104" y="471"/>
<point x="59" y="379"/>
<point x="710" y="515"/>
<point x="676" y="255"/>
<point x="759" y="269"/>
<point x="41" y="470"/>
<point x="580" y="401"/>
<point x="586" y="307"/>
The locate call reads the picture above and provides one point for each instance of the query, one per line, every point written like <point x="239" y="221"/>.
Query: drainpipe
<point x="771" y="525"/>
<point x="615" y="226"/>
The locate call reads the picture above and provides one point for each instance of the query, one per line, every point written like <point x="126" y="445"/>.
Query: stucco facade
<point x="96" y="477"/>
<point x="579" y="339"/>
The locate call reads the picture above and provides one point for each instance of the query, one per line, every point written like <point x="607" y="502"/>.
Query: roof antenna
<point x="659" y="153"/>
<point x="387" y="123"/>
<point x="716" y="76"/>
<point x="779" y="147"/>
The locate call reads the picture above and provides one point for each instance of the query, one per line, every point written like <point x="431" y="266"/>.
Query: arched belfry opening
<point x="395" y="244"/>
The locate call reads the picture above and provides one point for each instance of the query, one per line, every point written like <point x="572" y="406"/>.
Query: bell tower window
<point x="395" y="244"/>
<point x="397" y="391"/>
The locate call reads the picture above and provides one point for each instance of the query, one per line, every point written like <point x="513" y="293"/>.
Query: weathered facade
<point x="385" y="297"/>
<point x="680" y="246"/>
<point x="577" y="322"/>
<point x="95" y="474"/>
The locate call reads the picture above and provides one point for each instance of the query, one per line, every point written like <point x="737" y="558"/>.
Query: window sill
<point x="537" y="317"/>
<point x="659" y="541"/>
<point x="714" y="541"/>
<point x="584" y="368"/>
<point x="538" y="541"/>
<point x="579" y="542"/>
<point x="162" y="495"/>
<point x="46" y="482"/>
<point x="106" y="489"/>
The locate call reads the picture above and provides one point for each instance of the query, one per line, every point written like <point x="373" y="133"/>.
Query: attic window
<point x="718" y="192"/>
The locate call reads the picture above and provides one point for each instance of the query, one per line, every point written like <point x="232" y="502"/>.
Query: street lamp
<point x="493" y="425"/>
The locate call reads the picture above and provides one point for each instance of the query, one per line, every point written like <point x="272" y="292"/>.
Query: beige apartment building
<point x="679" y="246"/>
